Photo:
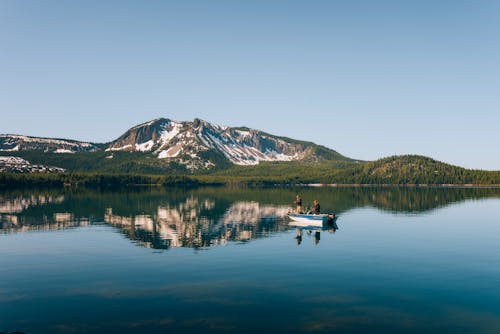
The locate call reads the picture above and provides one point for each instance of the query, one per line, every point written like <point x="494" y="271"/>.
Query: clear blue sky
<point x="366" y="78"/>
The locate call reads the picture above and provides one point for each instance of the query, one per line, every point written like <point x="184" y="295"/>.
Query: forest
<point x="405" y="170"/>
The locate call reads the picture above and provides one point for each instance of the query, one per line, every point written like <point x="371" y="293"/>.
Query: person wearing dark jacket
<point x="316" y="209"/>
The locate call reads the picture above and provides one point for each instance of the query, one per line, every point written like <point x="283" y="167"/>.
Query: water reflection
<point x="162" y="223"/>
<point x="167" y="218"/>
<point x="20" y="203"/>
<point x="12" y="219"/>
<point x="58" y="221"/>
<point x="190" y="224"/>
<point x="313" y="231"/>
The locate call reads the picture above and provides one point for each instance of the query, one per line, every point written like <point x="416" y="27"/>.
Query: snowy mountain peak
<point x="145" y="136"/>
<point x="186" y="142"/>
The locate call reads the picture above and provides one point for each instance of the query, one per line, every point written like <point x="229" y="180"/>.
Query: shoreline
<point x="410" y="185"/>
<point x="121" y="181"/>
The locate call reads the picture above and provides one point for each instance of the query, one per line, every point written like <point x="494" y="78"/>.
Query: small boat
<point x="312" y="219"/>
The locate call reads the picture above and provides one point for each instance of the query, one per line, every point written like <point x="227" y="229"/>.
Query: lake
<point x="212" y="260"/>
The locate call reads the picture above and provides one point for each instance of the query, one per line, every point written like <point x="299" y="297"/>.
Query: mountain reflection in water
<point x="186" y="226"/>
<point x="203" y="217"/>
<point x="12" y="219"/>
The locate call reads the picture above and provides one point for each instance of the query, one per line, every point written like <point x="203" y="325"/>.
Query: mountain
<point x="16" y="143"/>
<point x="164" y="145"/>
<point x="190" y="143"/>
<point x="19" y="165"/>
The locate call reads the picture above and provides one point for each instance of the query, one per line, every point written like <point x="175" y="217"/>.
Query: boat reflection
<point x="312" y="230"/>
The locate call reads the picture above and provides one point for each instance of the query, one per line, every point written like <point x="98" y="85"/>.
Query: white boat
<point x="311" y="219"/>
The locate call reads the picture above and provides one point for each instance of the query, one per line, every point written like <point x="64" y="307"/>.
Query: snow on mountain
<point x="15" y="143"/>
<point x="18" y="165"/>
<point x="196" y="145"/>
<point x="186" y="140"/>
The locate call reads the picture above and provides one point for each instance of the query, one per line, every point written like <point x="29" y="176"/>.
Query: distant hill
<point x="413" y="169"/>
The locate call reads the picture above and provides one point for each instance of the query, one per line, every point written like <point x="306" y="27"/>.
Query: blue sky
<point x="367" y="78"/>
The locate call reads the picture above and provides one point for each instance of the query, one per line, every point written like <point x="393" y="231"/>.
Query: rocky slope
<point x="196" y="145"/>
<point x="186" y="142"/>
<point x="19" y="165"/>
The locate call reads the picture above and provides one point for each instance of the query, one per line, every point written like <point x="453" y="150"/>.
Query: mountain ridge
<point x="196" y="145"/>
<point x="16" y="142"/>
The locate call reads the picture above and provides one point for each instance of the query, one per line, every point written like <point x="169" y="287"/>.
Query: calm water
<point x="226" y="260"/>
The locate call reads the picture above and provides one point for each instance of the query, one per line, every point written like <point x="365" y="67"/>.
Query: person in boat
<point x="298" y="203"/>
<point x="316" y="209"/>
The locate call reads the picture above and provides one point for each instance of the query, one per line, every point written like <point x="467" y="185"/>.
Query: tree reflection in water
<point x="203" y="217"/>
